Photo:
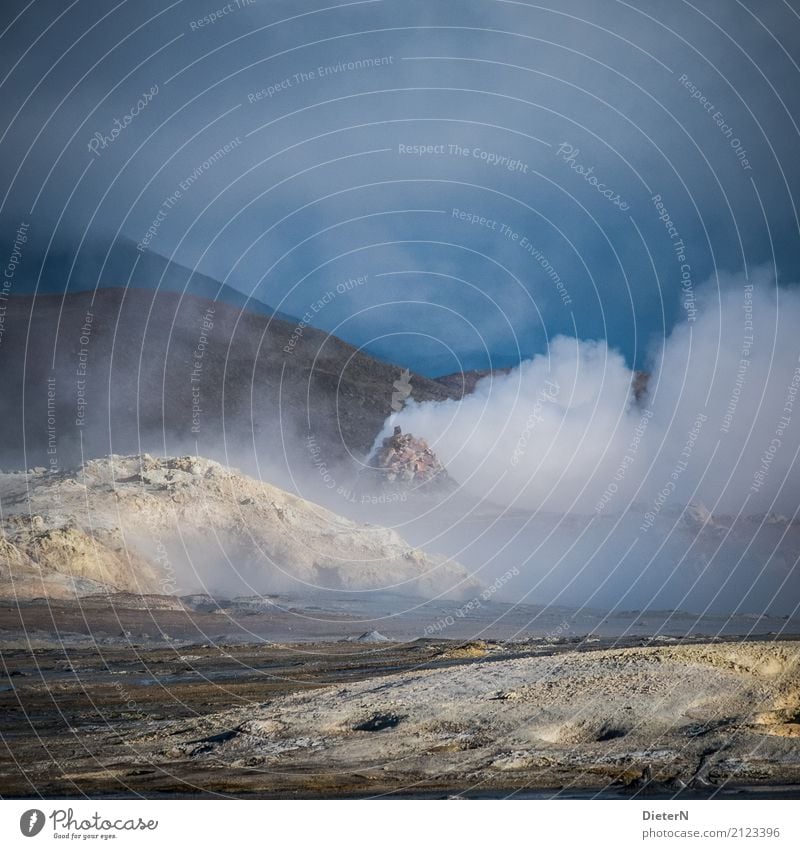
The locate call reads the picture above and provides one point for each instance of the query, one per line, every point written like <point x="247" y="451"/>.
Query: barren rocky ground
<point x="427" y="718"/>
<point x="171" y="627"/>
<point x="688" y="716"/>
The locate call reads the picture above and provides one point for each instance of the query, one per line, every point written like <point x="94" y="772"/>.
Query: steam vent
<point x="405" y="462"/>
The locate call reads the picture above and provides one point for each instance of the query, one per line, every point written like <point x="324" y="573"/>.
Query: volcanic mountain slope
<point x="125" y="370"/>
<point x="145" y="525"/>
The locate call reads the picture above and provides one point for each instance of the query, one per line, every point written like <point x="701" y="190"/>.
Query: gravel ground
<point x="417" y="719"/>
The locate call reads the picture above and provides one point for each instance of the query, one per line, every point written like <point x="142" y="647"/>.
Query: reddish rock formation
<point x="405" y="462"/>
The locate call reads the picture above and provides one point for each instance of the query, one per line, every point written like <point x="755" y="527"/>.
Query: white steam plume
<point x="719" y="422"/>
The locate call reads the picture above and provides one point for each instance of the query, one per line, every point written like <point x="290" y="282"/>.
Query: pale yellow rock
<point x="140" y="524"/>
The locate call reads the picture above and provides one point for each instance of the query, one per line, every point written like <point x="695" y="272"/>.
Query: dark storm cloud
<point x="240" y="138"/>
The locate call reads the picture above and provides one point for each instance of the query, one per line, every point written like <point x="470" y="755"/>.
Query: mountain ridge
<point x="111" y="371"/>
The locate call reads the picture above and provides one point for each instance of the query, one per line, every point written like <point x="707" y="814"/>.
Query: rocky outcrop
<point x="404" y="462"/>
<point x="186" y="524"/>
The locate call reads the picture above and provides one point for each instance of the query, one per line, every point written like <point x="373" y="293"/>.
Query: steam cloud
<point x="565" y="432"/>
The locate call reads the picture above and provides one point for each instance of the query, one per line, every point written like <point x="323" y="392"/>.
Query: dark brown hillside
<point x="140" y="370"/>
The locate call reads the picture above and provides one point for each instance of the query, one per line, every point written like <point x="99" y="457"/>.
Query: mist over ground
<point x="675" y="488"/>
<point x="234" y="235"/>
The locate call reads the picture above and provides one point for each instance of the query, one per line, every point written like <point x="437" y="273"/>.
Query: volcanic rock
<point x="404" y="462"/>
<point x="372" y="637"/>
<point x="141" y="524"/>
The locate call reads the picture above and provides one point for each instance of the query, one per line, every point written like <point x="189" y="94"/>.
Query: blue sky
<point x="489" y="168"/>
